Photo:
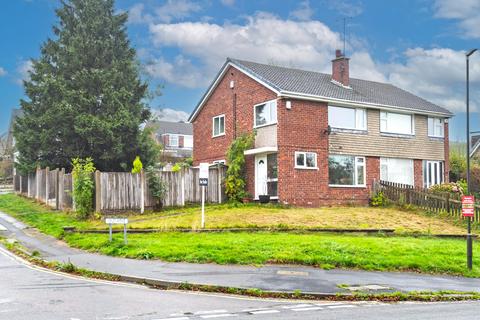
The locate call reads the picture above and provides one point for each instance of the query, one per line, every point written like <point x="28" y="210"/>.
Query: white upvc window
<point x="219" y="162"/>
<point x="399" y="123"/>
<point x="397" y="170"/>
<point x="347" y="118"/>
<point x="346" y="171"/>
<point x="218" y="126"/>
<point x="188" y="142"/>
<point x="265" y="113"/>
<point x="435" y="127"/>
<point x="173" y="140"/>
<point x="433" y="173"/>
<point x="305" y="160"/>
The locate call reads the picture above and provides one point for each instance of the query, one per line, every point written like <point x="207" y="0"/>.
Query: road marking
<point x="308" y="309"/>
<point x="341" y="306"/>
<point x="2" y="228"/>
<point x="264" y="311"/>
<point x="177" y="318"/>
<point x="296" y="306"/>
<point x="5" y="301"/>
<point x="209" y="312"/>
<point x="221" y="315"/>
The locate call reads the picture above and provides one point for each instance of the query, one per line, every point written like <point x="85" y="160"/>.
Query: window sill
<point x="397" y="135"/>
<point x="265" y="125"/>
<point x="346" y="186"/>
<point x="219" y="135"/>
<point x="271" y="198"/>
<point x="436" y="138"/>
<point x="346" y="130"/>
<point x="306" y="168"/>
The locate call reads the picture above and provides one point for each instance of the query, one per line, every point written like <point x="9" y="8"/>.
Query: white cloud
<point x="171" y="11"/>
<point x="167" y="114"/>
<point x="23" y="71"/>
<point x="179" y="71"/>
<point x="437" y="75"/>
<point x="346" y="8"/>
<point x="467" y="12"/>
<point x="304" y="12"/>
<point x="3" y="72"/>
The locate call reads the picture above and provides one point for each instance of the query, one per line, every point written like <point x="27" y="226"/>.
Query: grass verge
<point x="380" y="253"/>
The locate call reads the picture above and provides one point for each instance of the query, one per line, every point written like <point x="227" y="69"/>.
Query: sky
<point x="418" y="45"/>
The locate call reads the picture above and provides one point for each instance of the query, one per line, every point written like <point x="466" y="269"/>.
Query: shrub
<point x="235" y="176"/>
<point x="137" y="165"/>
<point x="157" y="186"/>
<point x="177" y="167"/>
<point x="83" y="186"/>
<point x="379" y="200"/>
<point x="450" y="187"/>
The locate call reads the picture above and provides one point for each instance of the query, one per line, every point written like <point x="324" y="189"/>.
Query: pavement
<point x="30" y="292"/>
<point x="284" y="278"/>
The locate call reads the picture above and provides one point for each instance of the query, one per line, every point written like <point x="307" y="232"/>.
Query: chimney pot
<point x="340" y="69"/>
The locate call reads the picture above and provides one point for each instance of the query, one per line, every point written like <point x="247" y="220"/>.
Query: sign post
<point x="203" y="182"/>
<point x="112" y="221"/>
<point x="468" y="211"/>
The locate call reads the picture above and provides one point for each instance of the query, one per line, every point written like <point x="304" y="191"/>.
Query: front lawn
<point x="429" y="255"/>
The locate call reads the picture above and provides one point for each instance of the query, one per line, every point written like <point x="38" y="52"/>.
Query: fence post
<point x="57" y="184"/>
<point x="142" y="191"/>
<point x="219" y="184"/>
<point x="37" y="181"/>
<point x="98" y="191"/>
<point x="47" y="183"/>
<point x="61" y="188"/>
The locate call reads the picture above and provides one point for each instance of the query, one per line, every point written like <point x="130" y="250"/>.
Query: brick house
<point x="320" y="138"/>
<point x="175" y="137"/>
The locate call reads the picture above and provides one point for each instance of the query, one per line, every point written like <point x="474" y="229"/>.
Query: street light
<point x="469" y="233"/>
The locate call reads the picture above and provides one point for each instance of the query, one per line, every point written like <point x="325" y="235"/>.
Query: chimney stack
<point x="340" y="72"/>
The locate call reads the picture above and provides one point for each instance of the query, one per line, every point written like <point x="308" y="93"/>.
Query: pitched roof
<point x="163" y="127"/>
<point x="319" y="85"/>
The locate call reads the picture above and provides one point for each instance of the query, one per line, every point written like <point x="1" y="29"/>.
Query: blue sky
<point x="415" y="44"/>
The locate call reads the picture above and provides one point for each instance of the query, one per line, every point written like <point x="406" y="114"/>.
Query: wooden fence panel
<point x="425" y="199"/>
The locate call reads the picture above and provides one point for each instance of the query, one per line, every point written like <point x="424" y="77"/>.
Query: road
<point x="28" y="292"/>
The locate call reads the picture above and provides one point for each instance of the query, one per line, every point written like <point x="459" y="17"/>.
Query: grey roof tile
<point x="320" y="84"/>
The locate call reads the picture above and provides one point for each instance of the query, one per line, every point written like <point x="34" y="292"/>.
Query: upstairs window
<point x="218" y="125"/>
<point x="435" y="127"/>
<point x="188" y="142"/>
<point x="399" y="123"/>
<point x="173" y="140"/>
<point x="265" y="113"/>
<point x="347" y="118"/>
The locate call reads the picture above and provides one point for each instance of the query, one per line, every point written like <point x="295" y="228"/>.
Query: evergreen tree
<point x="84" y="94"/>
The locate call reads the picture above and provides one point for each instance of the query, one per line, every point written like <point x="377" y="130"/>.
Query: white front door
<point x="433" y="173"/>
<point x="260" y="175"/>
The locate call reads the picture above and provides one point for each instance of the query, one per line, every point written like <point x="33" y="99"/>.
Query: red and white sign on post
<point x="468" y="206"/>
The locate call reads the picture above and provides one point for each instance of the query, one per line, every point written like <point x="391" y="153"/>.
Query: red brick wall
<point x="303" y="128"/>
<point x="418" y="173"/>
<point x="248" y="93"/>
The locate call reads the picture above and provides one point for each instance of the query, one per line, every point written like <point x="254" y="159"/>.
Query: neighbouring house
<point x="320" y="138"/>
<point x="175" y="137"/>
<point x="10" y="143"/>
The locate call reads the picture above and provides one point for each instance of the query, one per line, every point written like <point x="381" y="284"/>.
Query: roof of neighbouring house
<point x="310" y="84"/>
<point x="164" y="127"/>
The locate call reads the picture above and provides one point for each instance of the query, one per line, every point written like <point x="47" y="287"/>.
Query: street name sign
<point x="468" y="206"/>
<point x="112" y="221"/>
<point x="116" y="220"/>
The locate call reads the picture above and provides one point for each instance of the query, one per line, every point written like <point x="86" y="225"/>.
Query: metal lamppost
<point x="469" y="228"/>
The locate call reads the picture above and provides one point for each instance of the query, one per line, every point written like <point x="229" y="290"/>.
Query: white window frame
<point x="432" y="125"/>
<point x="384" y="118"/>
<point x="213" y="126"/>
<point x="219" y="161"/>
<point x="304" y="166"/>
<point x="355" y="177"/>
<point x="357" y="118"/>
<point x="439" y="174"/>
<point x="184" y="139"/>
<point x="385" y="162"/>
<point x="269" y="105"/>
<point x="177" y="137"/>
